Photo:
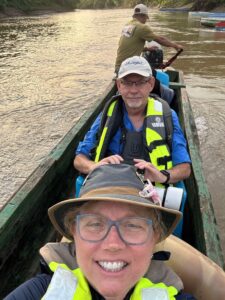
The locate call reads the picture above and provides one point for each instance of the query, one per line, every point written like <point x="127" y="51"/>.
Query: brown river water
<point x="53" y="67"/>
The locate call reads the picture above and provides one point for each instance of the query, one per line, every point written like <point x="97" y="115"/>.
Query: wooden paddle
<point x="169" y="62"/>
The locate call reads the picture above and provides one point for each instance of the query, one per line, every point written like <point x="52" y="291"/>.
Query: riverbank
<point x="220" y="8"/>
<point x="57" y="8"/>
<point x="15" y="12"/>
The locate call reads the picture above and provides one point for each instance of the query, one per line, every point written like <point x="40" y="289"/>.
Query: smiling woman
<point x="118" y="237"/>
<point x="115" y="231"/>
<point x="107" y="254"/>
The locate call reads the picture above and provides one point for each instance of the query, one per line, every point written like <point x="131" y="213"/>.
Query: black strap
<point x="162" y="161"/>
<point x="155" y="144"/>
<point x="156" y="89"/>
<point x="123" y="133"/>
<point x="161" y="255"/>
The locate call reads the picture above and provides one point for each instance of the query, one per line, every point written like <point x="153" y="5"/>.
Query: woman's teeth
<point x="112" y="266"/>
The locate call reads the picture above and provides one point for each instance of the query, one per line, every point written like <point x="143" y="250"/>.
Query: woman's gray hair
<point x="158" y="224"/>
<point x="70" y="216"/>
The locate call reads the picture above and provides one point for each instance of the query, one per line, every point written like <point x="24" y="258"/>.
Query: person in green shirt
<point x="134" y="35"/>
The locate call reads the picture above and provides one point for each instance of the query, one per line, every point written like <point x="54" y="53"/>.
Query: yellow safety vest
<point x="155" y="134"/>
<point x="69" y="284"/>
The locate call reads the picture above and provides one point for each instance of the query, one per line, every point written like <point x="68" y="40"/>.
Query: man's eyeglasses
<point x="132" y="230"/>
<point x="138" y="84"/>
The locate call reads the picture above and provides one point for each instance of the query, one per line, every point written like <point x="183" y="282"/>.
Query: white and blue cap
<point x="135" y="65"/>
<point x="140" y="9"/>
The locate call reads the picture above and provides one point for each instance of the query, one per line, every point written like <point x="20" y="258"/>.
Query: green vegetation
<point x="207" y="4"/>
<point x="29" y="5"/>
<point x="197" y="4"/>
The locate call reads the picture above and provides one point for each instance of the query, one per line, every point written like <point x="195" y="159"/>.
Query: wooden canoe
<point x="24" y="224"/>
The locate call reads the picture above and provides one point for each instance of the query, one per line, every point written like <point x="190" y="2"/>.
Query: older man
<point x="134" y="130"/>
<point x="134" y="35"/>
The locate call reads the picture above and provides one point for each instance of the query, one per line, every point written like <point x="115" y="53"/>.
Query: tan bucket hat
<point x="118" y="183"/>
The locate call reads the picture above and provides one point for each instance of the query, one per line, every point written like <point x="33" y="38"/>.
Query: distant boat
<point x="211" y="22"/>
<point x="175" y="9"/>
<point x="198" y="14"/>
<point x="217" y="15"/>
<point x="202" y="14"/>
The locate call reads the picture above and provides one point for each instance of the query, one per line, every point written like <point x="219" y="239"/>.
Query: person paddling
<point x="134" y="35"/>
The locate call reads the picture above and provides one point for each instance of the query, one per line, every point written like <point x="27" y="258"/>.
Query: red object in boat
<point x="220" y="24"/>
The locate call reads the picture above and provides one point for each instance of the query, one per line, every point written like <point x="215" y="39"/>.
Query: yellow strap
<point x="102" y="138"/>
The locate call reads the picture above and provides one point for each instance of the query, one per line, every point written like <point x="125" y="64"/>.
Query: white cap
<point x="135" y="65"/>
<point x="140" y="9"/>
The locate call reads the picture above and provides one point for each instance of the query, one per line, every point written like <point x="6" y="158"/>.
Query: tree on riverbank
<point x="207" y="4"/>
<point x="29" y="5"/>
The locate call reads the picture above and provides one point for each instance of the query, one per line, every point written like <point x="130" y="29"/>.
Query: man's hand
<point x="178" y="47"/>
<point x="177" y="173"/>
<point x="150" y="171"/>
<point x="85" y="165"/>
<point x="112" y="159"/>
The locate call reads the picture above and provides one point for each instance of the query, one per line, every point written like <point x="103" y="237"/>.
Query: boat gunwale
<point x="35" y="195"/>
<point x="212" y="247"/>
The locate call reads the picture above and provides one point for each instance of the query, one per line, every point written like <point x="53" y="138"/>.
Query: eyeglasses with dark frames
<point x="132" y="230"/>
<point x="138" y="84"/>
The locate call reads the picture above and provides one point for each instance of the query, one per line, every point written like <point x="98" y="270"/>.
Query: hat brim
<point x="142" y="73"/>
<point x="57" y="212"/>
<point x="136" y="14"/>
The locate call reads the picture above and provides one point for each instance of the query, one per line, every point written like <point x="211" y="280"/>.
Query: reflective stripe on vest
<point x="69" y="284"/>
<point x="155" y="134"/>
<point x="102" y="138"/>
<point x="147" y="290"/>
